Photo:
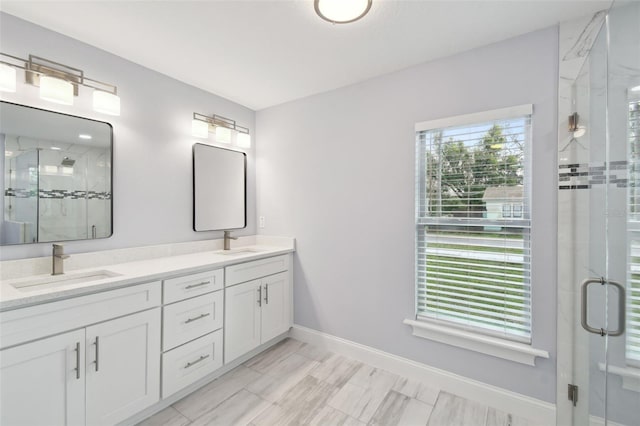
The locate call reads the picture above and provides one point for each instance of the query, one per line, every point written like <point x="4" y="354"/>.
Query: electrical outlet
<point x="261" y="221"/>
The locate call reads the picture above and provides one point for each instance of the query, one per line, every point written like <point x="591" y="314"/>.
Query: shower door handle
<point x="621" y="307"/>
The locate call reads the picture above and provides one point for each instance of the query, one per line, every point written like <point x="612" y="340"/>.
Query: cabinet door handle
<point x="266" y="294"/>
<point x="77" y="349"/>
<point x="197" y="318"/>
<point x="97" y="345"/>
<point x="259" y="295"/>
<point x="192" y="363"/>
<point x="190" y="286"/>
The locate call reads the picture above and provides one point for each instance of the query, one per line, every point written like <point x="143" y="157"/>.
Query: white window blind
<point x="633" y="282"/>
<point x="473" y="224"/>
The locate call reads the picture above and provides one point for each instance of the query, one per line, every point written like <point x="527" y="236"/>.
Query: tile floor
<point x="293" y="383"/>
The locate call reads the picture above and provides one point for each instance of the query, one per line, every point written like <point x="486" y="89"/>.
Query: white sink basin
<point x="62" y="280"/>
<point x="240" y="250"/>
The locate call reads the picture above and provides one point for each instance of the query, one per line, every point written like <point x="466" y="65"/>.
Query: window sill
<point x="630" y="376"/>
<point x="505" y="349"/>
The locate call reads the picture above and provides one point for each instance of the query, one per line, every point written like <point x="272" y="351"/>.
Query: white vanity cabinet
<point x="260" y="308"/>
<point x="97" y="374"/>
<point x="41" y="384"/>
<point x="192" y="320"/>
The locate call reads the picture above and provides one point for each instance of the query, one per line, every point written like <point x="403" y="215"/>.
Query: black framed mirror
<point x="57" y="176"/>
<point x="219" y="188"/>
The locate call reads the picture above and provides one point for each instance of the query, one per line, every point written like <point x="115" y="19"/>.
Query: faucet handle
<point x="58" y="251"/>
<point x="227" y="234"/>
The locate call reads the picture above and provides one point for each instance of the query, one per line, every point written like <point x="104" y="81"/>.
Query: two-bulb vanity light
<point x="58" y="82"/>
<point x="223" y="128"/>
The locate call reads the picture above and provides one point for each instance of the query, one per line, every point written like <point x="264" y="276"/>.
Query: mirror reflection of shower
<point x="56" y="176"/>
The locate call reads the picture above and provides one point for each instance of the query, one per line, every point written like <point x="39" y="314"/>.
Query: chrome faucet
<point x="58" y="259"/>
<point x="227" y="240"/>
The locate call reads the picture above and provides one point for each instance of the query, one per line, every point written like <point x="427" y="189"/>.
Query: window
<point x="506" y="210"/>
<point x="633" y="227"/>
<point x="473" y="257"/>
<point x="517" y="210"/>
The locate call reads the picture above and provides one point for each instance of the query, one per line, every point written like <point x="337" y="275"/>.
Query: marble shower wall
<point x="54" y="194"/>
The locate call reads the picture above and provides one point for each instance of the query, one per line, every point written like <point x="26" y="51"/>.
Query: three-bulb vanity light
<point x="58" y="82"/>
<point x="224" y="129"/>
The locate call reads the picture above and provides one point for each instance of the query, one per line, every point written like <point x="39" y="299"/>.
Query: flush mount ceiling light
<point x="222" y="127"/>
<point x="58" y="82"/>
<point x="342" y="11"/>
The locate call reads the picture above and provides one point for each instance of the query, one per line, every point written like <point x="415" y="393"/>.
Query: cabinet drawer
<point x="258" y="268"/>
<point x="181" y="288"/>
<point x="190" y="319"/>
<point x="191" y="362"/>
<point x="35" y="322"/>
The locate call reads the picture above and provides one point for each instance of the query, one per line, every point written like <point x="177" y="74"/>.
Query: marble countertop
<point x="129" y="273"/>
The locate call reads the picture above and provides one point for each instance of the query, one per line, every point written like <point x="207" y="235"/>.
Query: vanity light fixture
<point x="58" y="82"/>
<point x="223" y="128"/>
<point x="342" y="11"/>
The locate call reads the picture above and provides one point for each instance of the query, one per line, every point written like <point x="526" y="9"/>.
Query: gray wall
<point x="152" y="193"/>
<point x="336" y="171"/>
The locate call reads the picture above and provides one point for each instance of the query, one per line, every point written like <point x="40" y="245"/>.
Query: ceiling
<point x="262" y="53"/>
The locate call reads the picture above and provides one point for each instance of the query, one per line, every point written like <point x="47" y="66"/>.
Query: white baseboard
<point x="599" y="421"/>
<point x="539" y="413"/>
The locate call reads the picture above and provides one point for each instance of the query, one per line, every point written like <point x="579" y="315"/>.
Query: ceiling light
<point x="7" y="78"/>
<point x="84" y="136"/>
<point x="58" y="82"/>
<point x="342" y="11"/>
<point x="55" y="90"/>
<point x="106" y="103"/>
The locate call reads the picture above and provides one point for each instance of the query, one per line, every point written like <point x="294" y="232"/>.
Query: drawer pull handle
<point x="260" y="296"/>
<point x="266" y="294"/>
<point x="202" y="358"/>
<point x="197" y="318"/>
<point x="97" y="344"/>
<point x="190" y="286"/>
<point x="77" y="349"/>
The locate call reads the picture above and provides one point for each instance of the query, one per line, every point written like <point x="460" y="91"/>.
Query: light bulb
<point x="199" y="129"/>
<point x="243" y="140"/>
<point x="55" y="90"/>
<point x="223" y="134"/>
<point x="106" y="103"/>
<point x="7" y="78"/>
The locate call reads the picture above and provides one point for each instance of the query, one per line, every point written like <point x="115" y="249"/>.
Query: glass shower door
<point x="606" y="203"/>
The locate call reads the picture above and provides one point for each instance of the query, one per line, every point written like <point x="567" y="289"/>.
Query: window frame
<point x="422" y="323"/>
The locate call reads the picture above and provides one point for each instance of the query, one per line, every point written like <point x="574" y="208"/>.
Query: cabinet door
<point x="275" y="305"/>
<point x="242" y="319"/>
<point x="40" y="383"/>
<point x="123" y="367"/>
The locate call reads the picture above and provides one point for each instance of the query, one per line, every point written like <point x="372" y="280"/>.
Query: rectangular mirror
<point x="57" y="174"/>
<point x="219" y="188"/>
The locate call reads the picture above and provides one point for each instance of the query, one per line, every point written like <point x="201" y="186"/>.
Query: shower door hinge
<point x="573" y="394"/>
